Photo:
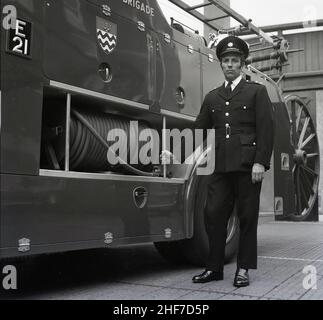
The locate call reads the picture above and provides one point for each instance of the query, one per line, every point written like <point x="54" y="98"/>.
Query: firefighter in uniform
<point x="241" y="113"/>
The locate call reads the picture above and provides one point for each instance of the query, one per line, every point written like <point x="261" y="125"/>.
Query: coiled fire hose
<point x="105" y="144"/>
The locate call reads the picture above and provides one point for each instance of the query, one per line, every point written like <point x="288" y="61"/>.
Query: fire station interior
<point x="82" y="146"/>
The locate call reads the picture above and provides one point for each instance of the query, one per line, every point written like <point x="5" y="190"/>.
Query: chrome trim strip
<point x="164" y="145"/>
<point x="177" y="115"/>
<point x="67" y="135"/>
<point x="105" y="176"/>
<point x="97" y="95"/>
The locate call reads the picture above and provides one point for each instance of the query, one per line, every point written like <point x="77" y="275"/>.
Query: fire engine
<point x="72" y="72"/>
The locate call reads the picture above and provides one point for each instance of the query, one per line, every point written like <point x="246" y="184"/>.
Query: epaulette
<point x="215" y="89"/>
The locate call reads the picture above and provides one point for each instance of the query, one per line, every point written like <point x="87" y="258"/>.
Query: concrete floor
<point x="138" y="272"/>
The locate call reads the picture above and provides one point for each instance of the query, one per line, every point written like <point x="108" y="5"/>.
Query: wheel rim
<point x="306" y="158"/>
<point x="232" y="226"/>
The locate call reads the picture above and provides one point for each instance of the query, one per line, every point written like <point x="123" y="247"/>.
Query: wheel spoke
<point x="312" y="155"/>
<point x="304" y="196"/>
<point x="294" y="125"/>
<point x="294" y="169"/>
<point x="299" y="118"/>
<point x="301" y="138"/>
<point x="308" y="184"/>
<point x="298" y="192"/>
<point x="308" y="140"/>
<point x="310" y="171"/>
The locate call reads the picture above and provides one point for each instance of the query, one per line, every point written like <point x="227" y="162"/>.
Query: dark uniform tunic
<point x="244" y="126"/>
<point x="243" y="123"/>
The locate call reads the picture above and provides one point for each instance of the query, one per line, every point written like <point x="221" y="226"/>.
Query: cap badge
<point x="230" y="44"/>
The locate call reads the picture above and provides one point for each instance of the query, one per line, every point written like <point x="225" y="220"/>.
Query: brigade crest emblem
<point x="106" y="32"/>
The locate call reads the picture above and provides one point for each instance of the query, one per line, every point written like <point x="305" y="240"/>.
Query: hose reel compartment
<point x="87" y="151"/>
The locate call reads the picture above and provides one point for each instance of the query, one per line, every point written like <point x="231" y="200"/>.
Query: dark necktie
<point x="228" y="88"/>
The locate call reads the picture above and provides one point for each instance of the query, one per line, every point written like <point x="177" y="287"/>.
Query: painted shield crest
<point x="107" y="34"/>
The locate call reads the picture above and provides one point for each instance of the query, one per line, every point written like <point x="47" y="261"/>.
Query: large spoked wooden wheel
<point x="306" y="158"/>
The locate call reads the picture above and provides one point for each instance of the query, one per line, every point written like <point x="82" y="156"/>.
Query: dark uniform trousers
<point x="243" y="123"/>
<point x="224" y="192"/>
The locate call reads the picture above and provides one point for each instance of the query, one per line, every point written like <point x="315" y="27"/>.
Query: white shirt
<point x="234" y="83"/>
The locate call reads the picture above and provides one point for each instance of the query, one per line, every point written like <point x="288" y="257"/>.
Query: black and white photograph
<point x="161" y="155"/>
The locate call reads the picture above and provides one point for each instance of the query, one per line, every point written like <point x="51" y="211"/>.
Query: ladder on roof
<point x="228" y="12"/>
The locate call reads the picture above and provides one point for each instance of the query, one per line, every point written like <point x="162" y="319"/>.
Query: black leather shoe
<point x="208" y="276"/>
<point x="241" y="278"/>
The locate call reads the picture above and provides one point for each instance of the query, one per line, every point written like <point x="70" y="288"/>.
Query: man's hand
<point x="258" y="173"/>
<point x="166" y="157"/>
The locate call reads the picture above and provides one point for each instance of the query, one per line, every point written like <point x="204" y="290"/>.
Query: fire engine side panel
<point x="22" y="97"/>
<point x="211" y="70"/>
<point x="56" y="210"/>
<point x="74" y="50"/>
<point x="183" y="67"/>
<point x="60" y="212"/>
<point x="168" y="73"/>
